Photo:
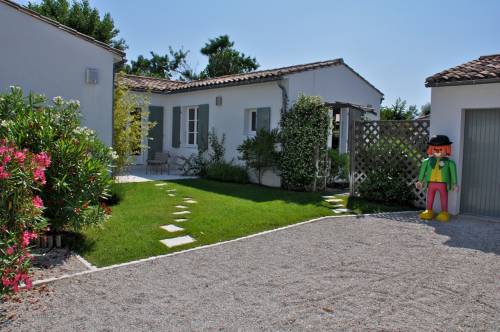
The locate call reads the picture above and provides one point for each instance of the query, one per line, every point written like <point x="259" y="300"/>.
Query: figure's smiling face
<point x="440" y="151"/>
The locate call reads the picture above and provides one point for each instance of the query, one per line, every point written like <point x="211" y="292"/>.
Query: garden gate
<point x="410" y="136"/>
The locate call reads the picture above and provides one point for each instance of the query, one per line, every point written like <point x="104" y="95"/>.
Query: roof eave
<point x="463" y="82"/>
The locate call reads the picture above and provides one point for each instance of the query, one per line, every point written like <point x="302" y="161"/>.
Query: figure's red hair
<point x="444" y="148"/>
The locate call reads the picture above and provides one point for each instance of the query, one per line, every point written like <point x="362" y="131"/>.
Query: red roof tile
<point x="486" y="69"/>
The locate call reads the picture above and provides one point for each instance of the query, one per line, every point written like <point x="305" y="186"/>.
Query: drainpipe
<point x="284" y="97"/>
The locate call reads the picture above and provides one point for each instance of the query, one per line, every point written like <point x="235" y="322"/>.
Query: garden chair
<point x="159" y="163"/>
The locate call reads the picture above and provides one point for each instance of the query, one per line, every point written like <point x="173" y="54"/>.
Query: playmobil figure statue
<point x="438" y="173"/>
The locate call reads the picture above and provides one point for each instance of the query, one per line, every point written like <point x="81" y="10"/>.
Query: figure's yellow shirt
<point x="436" y="172"/>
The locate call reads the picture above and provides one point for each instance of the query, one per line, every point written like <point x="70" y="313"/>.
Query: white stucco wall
<point x="447" y="118"/>
<point x="41" y="58"/>
<point x="334" y="84"/>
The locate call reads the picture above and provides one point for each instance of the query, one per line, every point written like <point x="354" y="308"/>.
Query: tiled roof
<point x="486" y="69"/>
<point x="60" y="26"/>
<point x="142" y="83"/>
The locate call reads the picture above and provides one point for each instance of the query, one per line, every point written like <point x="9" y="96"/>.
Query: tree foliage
<point x="398" y="111"/>
<point x="80" y="16"/>
<point x="224" y="59"/>
<point x="304" y="134"/>
<point x="171" y="66"/>
<point x="130" y="125"/>
<point x="425" y="109"/>
<point x="259" y="151"/>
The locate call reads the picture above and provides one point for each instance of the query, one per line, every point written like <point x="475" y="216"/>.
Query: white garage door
<point x="481" y="163"/>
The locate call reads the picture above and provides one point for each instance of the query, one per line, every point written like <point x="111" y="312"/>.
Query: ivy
<point x="304" y="135"/>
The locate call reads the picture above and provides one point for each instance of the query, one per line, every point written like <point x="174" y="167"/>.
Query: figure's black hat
<point x="439" y="140"/>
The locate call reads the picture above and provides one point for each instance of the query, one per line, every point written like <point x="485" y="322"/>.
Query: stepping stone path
<point x="333" y="200"/>
<point x="178" y="241"/>
<point x="172" y="228"/>
<point x="182" y="212"/>
<point x="338" y="206"/>
<point x="160" y="184"/>
<point x="341" y="210"/>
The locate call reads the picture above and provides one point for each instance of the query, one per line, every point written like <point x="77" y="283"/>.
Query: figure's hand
<point x="418" y="185"/>
<point x="455" y="188"/>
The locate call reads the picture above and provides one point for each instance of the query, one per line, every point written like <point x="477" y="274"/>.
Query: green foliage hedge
<point x="227" y="172"/>
<point x="304" y="134"/>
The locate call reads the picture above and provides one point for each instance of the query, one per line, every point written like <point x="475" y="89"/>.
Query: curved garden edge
<point x="93" y="269"/>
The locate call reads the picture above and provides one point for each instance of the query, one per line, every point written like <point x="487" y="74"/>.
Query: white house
<point x="43" y="56"/>
<point x="466" y="107"/>
<point x="238" y="105"/>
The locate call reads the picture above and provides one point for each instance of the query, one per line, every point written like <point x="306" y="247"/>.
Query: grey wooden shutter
<point x="264" y="118"/>
<point x="203" y="127"/>
<point x="176" y="127"/>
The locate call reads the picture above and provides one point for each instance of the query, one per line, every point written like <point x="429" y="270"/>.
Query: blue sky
<point x="393" y="44"/>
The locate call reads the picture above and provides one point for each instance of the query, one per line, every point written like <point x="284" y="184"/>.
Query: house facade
<point x="40" y="55"/>
<point x="239" y="105"/>
<point x="466" y="107"/>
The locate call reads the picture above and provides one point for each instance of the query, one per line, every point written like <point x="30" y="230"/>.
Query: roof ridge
<point x="155" y="78"/>
<point x="61" y="26"/>
<point x="489" y="56"/>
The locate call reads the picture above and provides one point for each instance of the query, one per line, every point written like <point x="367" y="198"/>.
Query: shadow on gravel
<point x="463" y="231"/>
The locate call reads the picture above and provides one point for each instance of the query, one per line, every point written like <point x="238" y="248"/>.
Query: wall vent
<point x="91" y="75"/>
<point x="218" y="100"/>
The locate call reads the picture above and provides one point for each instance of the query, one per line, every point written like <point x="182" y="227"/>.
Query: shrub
<point x="130" y="125"/>
<point x="197" y="164"/>
<point x="259" y="151"/>
<point x="339" y="169"/>
<point x="304" y="134"/>
<point x="227" y="172"/>
<point x="386" y="181"/>
<point x="22" y="173"/>
<point x="78" y="177"/>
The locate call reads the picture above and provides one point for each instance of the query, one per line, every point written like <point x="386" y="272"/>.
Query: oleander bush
<point x="22" y="175"/>
<point x="79" y="175"/>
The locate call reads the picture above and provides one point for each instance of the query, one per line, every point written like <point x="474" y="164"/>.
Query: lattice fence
<point x="409" y="136"/>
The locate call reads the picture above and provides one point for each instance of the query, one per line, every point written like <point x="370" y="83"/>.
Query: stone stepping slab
<point x="181" y="220"/>
<point x="341" y="210"/>
<point x="190" y="201"/>
<point x="171" y="195"/>
<point x="338" y="206"/>
<point x="328" y="197"/>
<point x="172" y="228"/>
<point x="181" y="207"/>
<point x="333" y="200"/>
<point x="178" y="241"/>
<point x="182" y="212"/>
<point x="171" y="190"/>
<point x="160" y="184"/>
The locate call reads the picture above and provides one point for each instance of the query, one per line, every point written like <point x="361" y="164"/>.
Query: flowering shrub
<point x="304" y="134"/>
<point x="78" y="178"/>
<point x="22" y="173"/>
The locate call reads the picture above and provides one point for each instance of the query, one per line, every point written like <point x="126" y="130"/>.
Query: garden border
<point x="152" y="258"/>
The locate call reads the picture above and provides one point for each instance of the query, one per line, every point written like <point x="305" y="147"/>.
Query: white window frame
<point x="195" y="132"/>
<point x="248" y="130"/>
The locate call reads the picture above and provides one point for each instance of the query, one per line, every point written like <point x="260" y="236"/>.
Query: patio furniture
<point x="159" y="163"/>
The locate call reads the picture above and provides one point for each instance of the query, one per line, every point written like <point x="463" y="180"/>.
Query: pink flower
<point x="3" y="174"/>
<point x="27" y="237"/>
<point x="39" y="175"/>
<point x="6" y="282"/>
<point x="42" y="159"/>
<point x="10" y="250"/>
<point x="6" y="159"/>
<point x="19" y="156"/>
<point x="28" y="283"/>
<point x="37" y="202"/>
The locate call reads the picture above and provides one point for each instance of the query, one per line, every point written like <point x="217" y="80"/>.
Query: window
<point x="253" y="121"/>
<point x="192" y="126"/>
<point x="250" y="121"/>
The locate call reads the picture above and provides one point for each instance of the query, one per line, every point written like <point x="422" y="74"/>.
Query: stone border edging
<point x="93" y="269"/>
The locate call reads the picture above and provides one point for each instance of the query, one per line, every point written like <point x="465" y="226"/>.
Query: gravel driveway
<point x="369" y="273"/>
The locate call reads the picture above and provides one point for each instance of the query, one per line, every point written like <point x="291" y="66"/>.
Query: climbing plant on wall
<point x="304" y="135"/>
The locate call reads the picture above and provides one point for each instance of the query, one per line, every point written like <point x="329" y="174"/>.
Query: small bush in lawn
<point x="259" y="151"/>
<point x="386" y="181"/>
<point x="78" y="177"/>
<point x="227" y="172"/>
<point x="22" y="174"/>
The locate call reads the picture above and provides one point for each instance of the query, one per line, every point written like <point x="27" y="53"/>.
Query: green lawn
<point x="224" y="211"/>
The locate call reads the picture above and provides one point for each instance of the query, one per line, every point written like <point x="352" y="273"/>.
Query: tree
<point x="398" y="111"/>
<point x="171" y="65"/>
<point x="223" y="59"/>
<point x="83" y="18"/>
<point x="425" y="109"/>
<point x="130" y="126"/>
<point x="258" y="152"/>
